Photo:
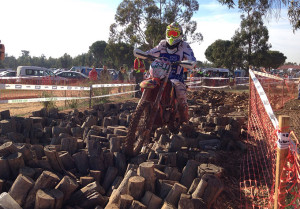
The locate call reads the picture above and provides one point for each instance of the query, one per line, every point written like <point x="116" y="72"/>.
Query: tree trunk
<point x="136" y="186"/>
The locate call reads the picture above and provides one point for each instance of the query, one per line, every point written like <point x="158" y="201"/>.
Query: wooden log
<point x="120" y="163"/>
<point x="4" y="169"/>
<point x="189" y="173"/>
<point x="53" y="158"/>
<point x="81" y="162"/>
<point x="69" y="144"/>
<point x="151" y="200"/>
<point x="7" y="148"/>
<point x="38" y="150"/>
<point x="191" y="204"/>
<point x="20" y="188"/>
<point x="46" y="180"/>
<point x="113" y="206"/>
<point x="122" y="189"/>
<point x="93" y="200"/>
<point x="209" y="169"/>
<point x="96" y="174"/>
<point x="96" y="162"/>
<point x="194" y="185"/>
<point x="213" y="189"/>
<point x="85" y="180"/>
<point x="27" y="171"/>
<point x="168" y="159"/>
<point x="200" y="188"/>
<point x="15" y="162"/>
<point x="114" y="185"/>
<point x="163" y="189"/>
<point x="173" y="173"/>
<point x="67" y="185"/>
<point x="44" y="200"/>
<point x="167" y="205"/>
<point x="136" y="185"/>
<point x="67" y="160"/>
<point x="115" y="144"/>
<point x="137" y="205"/>
<point x="90" y="192"/>
<point x="159" y="174"/>
<point x="27" y="154"/>
<point x="146" y="170"/>
<point x="174" y="194"/>
<point x="49" y="199"/>
<point x="110" y="176"/>
<point x="1" y="185"/>
<point x="93" y="146"/>
<point x="126" y="201"/>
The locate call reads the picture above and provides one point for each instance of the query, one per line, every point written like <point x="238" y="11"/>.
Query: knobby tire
<point x="137" y="127"/>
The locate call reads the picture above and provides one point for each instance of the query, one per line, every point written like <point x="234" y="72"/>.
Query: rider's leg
<point x="180" y="89"/>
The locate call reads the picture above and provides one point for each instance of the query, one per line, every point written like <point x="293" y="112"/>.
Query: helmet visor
<point x="173" y="33"/>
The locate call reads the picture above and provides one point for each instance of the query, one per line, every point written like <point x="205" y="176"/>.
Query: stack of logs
<point x="74" y="160"/>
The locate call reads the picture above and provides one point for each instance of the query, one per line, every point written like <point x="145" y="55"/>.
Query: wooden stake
<point x="284" y="126"/>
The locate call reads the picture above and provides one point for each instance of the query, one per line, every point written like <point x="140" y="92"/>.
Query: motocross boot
<point x="183" y="113"/>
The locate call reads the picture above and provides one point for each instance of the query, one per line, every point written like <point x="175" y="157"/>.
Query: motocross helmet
<point x="173" y="35"/>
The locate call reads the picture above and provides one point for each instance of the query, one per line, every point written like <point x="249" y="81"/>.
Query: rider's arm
<point x="156" y="50"/>
<point x="188" y="52"/>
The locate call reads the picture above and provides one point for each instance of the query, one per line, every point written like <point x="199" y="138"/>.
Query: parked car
<point x="8" y="74"/>
<point x="38" y="75"/>
<point x="72" y="75"/>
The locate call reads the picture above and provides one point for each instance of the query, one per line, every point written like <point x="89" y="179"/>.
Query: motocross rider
<point x="175" y="49"/>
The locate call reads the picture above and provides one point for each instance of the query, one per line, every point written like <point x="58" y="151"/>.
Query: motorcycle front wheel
<point x="138" y="130"/>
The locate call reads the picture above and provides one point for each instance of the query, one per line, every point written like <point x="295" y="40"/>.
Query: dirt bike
<point x="158" y="105"/>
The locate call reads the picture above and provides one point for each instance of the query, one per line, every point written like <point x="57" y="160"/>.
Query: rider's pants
<point x="180" y="89"/>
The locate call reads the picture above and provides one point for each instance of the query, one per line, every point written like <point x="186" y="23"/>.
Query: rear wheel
<point x="139" y="129"/>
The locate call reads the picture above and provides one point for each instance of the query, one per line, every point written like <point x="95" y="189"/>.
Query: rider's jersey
<point x="184" y="52"/>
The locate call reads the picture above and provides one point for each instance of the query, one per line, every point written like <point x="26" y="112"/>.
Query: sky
<point x="56" y="27"/>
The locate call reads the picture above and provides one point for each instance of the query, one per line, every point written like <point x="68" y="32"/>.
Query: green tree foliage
<point x="119" y="54"/>
<point x="252" y="39"/>
<point x="143" y="22"/>
<point x="65" y="61"/>
<point x="97" y="49"/>
<point x="273" y="59"/>
<point x="268" y="7"/>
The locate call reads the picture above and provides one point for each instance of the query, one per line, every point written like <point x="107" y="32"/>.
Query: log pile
<point x="75" y="160"/>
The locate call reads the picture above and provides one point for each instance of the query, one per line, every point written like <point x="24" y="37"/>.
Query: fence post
<point x="91" y="93"/>
<point x="282" y="152"/>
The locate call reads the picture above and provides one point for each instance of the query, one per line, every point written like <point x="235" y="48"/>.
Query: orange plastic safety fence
<point x="258" y="165"/>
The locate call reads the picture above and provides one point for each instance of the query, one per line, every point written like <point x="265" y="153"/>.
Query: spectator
<point x="93" y="75"/>
<point x="104" y="75"/>
<point x="185" y="72"/>
<point x="121" y="77"/>
<point x="139" y="69"/>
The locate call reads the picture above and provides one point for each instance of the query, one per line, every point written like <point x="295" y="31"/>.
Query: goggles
<point x="173" y="33"/>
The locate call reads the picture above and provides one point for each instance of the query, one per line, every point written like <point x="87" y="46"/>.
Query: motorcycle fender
<point x="148" y="84"/>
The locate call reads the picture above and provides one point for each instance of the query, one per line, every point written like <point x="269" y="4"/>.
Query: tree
<point x="119" y="54"/>
<point x="65" y="61"/>
<point x="268" y="7"/>
<point x="143" y="22"/>
<point x="273" y="59"/>
<point x="97" y="49"/>
<point x="252" y="39"/>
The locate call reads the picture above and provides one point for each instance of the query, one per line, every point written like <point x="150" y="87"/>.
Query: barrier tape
<point x="268" y="107"/>
<point x="55" y="87"/>
<point x="111" y="85"/>
<point x="58" y="98"/>
<point x="267" y="75"/>
<point x="264" y="98"/>
<point x="210" y="87"/>
<point x="42" y="87"/>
